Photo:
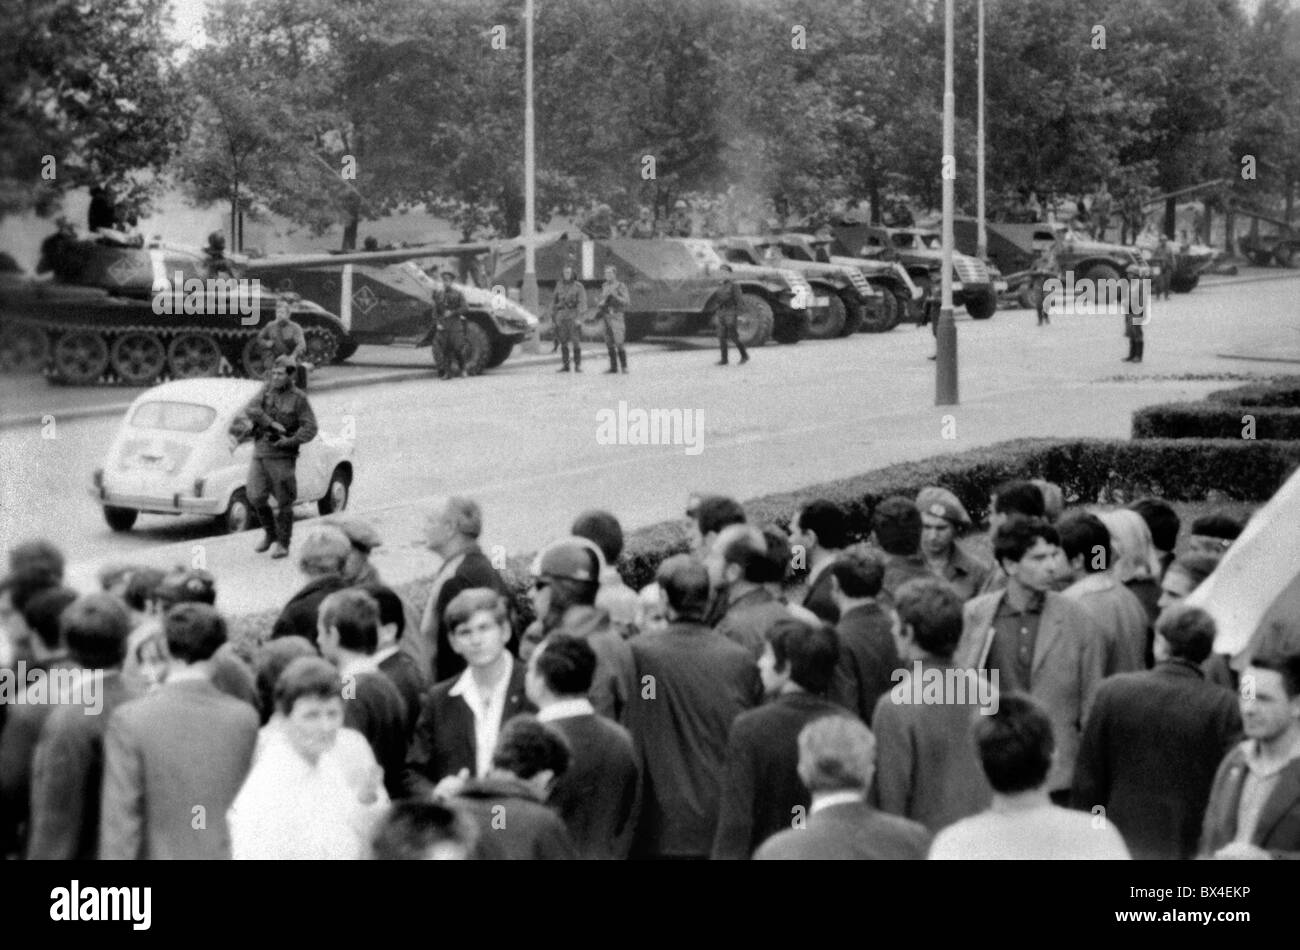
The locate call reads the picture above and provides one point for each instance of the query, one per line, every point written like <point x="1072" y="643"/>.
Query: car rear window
<point x="173" y="416"/>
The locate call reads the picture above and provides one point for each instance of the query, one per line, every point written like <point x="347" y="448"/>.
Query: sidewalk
<point x="522" y="515"/>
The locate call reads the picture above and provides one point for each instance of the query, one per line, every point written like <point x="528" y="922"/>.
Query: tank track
<point x="230" y="342"/>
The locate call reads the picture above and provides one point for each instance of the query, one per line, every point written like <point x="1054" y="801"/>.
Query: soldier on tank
<point x="679" y="224"/>
<point x="449" y="329"/>
<point x="726" y="303"/>
<point x="280" y="420"/>
<point x="59" y="253"/>
<point x="567" y="310"/>
<point x="611" y="307"/>
<point x="283" y="337"/>
<point x="644" y="225"/>
<point x="215" y="253"/>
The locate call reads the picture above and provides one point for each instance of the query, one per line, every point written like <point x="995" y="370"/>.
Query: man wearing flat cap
<point x="450" y="351"/>
<point x="281" y="421"/>
<point x="943" y="517"/>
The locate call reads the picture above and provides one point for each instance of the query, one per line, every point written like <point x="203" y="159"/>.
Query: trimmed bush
<point x="1214" y="420"/>
<point x="1282" y="393"/>
<point x="1089" y="471"/>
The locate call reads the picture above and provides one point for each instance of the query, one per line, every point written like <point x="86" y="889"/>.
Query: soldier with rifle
<point x="449" y="329"/>
<point x="567" y="310"/>
<point x="611" y="308"/>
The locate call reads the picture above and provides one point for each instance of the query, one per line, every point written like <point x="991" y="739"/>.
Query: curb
<point x="113" y="409"/>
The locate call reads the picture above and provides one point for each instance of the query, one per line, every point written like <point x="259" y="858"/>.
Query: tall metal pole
<point x="529" y="292"/>
<point x="982" y="242"/>
<point x="945" y="369"/>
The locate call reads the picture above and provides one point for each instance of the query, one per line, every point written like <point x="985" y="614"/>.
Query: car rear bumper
<point x="154" y="504"/>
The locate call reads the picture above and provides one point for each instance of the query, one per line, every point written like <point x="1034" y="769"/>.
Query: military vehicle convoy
<point x="96" y="321"/>
<point x="671" y="282"/>
<point x="920" y="251"/>
<point x="841" y="295"/>
<point x="897" y="291"/>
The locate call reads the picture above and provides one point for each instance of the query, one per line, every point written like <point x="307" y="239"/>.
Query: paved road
<point x="526" y="442"/>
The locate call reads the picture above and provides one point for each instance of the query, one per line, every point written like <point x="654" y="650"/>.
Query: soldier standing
<point x="281" y="420"/>
<point x="1134" y="318"/>
<point x="612" y="306"/>
<point x="568" y="308"/>
<point x="449" y="329"/>
<point x="726" y="303"/>
<point x="283" y="337"/>
<point x="644" y="225"/>
<point x="215" y="255"/>
<point x="679" y="224"/>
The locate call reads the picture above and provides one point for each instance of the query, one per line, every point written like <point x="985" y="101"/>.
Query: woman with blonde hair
<point x="1136" y="560"/>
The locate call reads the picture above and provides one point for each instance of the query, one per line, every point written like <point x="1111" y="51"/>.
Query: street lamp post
<point x="945" y="369"/>
<point x="982" y="239"/>
<point x="529" y="291"/>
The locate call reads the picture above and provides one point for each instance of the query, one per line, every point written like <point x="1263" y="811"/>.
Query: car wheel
<point x="120" y="519"/>
<point x="239" y="515"/>
<point x="252" y="359"/>
<point x="345" y="350"/>
<point x="336" y="494"/>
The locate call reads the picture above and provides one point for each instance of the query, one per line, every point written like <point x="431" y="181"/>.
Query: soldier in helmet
<point x="568" y="308"/>
<point x="611" y="308"/>
<point x="599" y="223"/>
<point x="449" y="343"/>
<point x="215" y="252"/>
<point x="280" y="420"/>
<point x="283" y="337"/>
<point x="679" y="224"/>
<point x="644" y="225"/>
<point x="59" y="252"/>
<point x="727" y="303"/>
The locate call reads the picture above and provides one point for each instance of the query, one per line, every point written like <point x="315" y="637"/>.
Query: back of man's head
<point x="465" y="516"/>
<point x="42" y="611"/>
<point x="826" y="520"/>
<point x="714" y="512"/>
<point x="194" y="632"/>
<point x="836" y="754"/>
<point x="142" y="588"/>
<point x="685" y="583"/>
<point x="810" y="653"/>
<point x="391" y="609"/>
<point x="273" y="658"/>
<point x="1015" y="745"/>
<point x="897" y="524"/>
<point x="860" y="574"/>
<point x="745" y="546"/>
<point x="566" y="664"/>
<point x="527" y="747"/>
<point x="355" y="615"/>
<point x="1019" y="498"/>
<point x="1188" y="630"/>
<point x="37" y="558"/>
<point x="415" y="830"/>
<point x="603" y="529"/>
<point x="1161" y="519"/>
<point x="95" y="629"/>
<point x="324" y="551"/>
<point x="1083" y="533"/>
<point x="934" y="612"/>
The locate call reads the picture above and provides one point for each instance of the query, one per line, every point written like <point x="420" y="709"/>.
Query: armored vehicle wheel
<point x="252" y="360"/>
<point x="855" y="314"/>
<point x="1260" y="257"/>
<point x="636" y="328"/>
<point x="239" y="515"/>
<point x="23" y="349"/>
<point x="478" y="347"/>
<point x="193" y="354"/>
<point x="754" y="322"/>
<point x="322" y="346"/>
<point x="138" y="357"/>
<point x="346" y="348"/>
<point x="926" y="285"/>
<point x="336" y="495"/>
<point x="885" y="317"/>
<point x="120" y="519"/>
<point x="983" y="305"/>
<point x="826" y="323"/>
<point x="790" y="326"/>
<point x="1183" y="283"/>
<point x="1100" y="272"/>
<point x="501" y="349"/>
<point x="670" y="324"/>
<point x="80" y="357"/>
<point x="901" y="303"/>
<point x="1286" y="255"/>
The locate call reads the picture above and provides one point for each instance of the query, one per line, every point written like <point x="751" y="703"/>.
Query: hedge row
<point x="1283" y="393"/>
<point x="1088" y="471"/>
<point x="1216" y="420"/>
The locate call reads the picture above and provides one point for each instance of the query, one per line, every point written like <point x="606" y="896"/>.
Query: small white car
<point x="172" y="455"/>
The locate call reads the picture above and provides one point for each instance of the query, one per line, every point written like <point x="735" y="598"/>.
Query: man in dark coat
<point x="744" y="566"/>
<point x="281" y="421"/>
<point x="694" y="683"/>
<point x="1154" y="739"/>
<point x="761" y="791"/>
<point x="868" y="653"/>
<point x="726" y="304"/>
<point x="817" y="536"/>
<point x="926" y="766"/>
<point x="1254" y="808"/>
<point x="322" y="558"/>
<point x="508" y="804"/>
<point x="836" y="755"/>
<point x="897" y="526"/>
<point x="452" y="533"/>
<point x="596" y="797"/>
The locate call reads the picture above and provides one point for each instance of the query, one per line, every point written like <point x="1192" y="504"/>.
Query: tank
<point x="119" y="312"/>
<point x="669" y="283"/>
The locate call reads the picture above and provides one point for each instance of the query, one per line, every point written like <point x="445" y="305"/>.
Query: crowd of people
<point x="779" y="692"/>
